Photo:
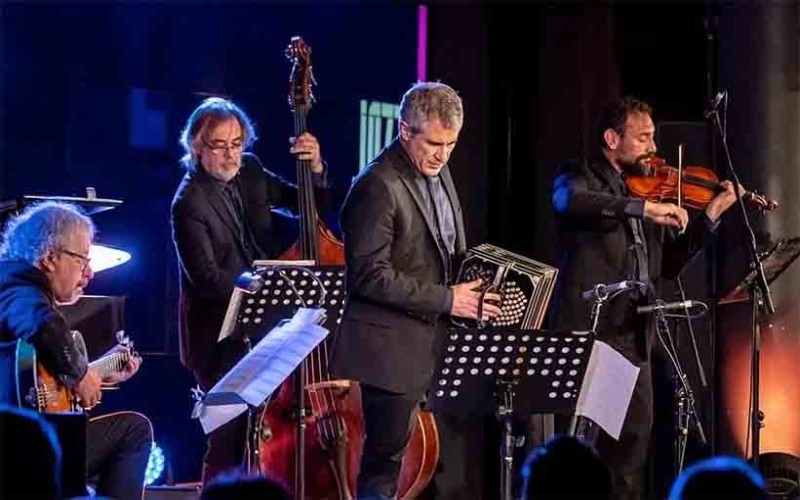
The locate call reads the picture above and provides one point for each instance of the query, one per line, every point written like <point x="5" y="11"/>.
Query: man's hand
<point x="666" y="214"/>
<point x="306" y="147"/>
<point x="723" y="201"/>
<point x="127" y="371"/>
<point x="466" y="299"/>
<point x="88" y="389"/>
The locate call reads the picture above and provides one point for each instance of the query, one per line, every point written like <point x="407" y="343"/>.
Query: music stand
<point x="481" y="370"/>
<point x="260" y="372"/>
<point x="774" y="262"/>
<point x="271" y="291"/>
<point x="276" y="289"/>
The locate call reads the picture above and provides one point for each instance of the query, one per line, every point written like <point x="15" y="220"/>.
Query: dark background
<point x="95" y="95"/>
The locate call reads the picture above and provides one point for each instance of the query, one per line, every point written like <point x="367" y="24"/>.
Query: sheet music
<point x="229" y="322"/>
<point x="262" y="370"/>
<point x="607" y="388"/>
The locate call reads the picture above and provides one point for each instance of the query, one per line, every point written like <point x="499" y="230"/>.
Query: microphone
<point x="602" y="290"/>
<point x="670" y="306"/>
<point x="715" y="103"/>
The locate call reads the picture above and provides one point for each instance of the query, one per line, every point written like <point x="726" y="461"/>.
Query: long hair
<point x="41" y="228"/>
<point x="209" y="114"/>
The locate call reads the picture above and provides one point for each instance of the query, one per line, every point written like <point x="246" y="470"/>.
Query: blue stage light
<point x="155" y="465"/>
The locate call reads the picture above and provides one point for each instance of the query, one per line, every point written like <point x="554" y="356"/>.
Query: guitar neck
<point x="112" y="363"/>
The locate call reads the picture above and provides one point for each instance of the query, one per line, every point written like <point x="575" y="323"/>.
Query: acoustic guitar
<point x="44" y="392"/>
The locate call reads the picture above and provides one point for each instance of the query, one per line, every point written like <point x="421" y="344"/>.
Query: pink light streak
<point x="422" y="43"/>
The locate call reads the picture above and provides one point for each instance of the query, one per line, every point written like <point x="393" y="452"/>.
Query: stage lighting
<point x="155" y="465"/>
<point x="105" y="257"/>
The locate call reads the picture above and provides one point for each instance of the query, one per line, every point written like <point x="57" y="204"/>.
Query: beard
<point x="636" y="167"/>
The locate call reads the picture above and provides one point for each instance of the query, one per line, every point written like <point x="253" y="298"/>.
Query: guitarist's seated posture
<point x="44" y="260"/>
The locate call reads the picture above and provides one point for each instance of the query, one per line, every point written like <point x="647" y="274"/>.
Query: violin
<point x="695" y="187"/>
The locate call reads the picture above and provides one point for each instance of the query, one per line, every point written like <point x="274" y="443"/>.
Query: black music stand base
<point x="505" y="413"/>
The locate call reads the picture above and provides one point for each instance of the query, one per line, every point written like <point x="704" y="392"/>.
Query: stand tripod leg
<point x="507" y="458"/>
<point x="756" y="416"/>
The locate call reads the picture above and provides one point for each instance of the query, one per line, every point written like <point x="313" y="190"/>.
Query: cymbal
<point x="105" y="257"/>
<point x="90" y="205"/>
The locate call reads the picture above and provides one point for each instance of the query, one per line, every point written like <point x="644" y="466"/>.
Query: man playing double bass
<point x="402" y="229"/>
<point x="221" y="222"/>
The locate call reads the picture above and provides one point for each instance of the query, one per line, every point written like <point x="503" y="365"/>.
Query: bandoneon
<point x="524" y="284"/>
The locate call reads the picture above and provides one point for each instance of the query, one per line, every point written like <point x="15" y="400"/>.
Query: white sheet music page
<point x="607" y="388"/>
<point x="262" y="370"/>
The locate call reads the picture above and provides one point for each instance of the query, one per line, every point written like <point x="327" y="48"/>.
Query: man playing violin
<point x="607" y="236"/>
<point x="44" y="261"/>
<point x="221" y="223"/>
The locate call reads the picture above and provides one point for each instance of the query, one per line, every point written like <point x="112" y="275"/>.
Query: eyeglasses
<point x="78" y="256"/>
<point x="218" y="147"/>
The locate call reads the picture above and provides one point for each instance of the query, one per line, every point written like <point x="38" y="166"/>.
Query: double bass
<point x="319" y="452"/>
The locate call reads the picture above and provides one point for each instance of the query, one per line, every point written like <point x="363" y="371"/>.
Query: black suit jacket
<point x="211" y="254"/>
<point x="395" y="276"/>
<point x="593" y="217"/>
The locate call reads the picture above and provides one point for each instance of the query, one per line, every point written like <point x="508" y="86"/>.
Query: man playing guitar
<point x="44" y="261"/>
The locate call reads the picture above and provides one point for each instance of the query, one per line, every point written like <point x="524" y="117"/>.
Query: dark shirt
<point x="28" y="312"/>
<point x="440" y="211"/>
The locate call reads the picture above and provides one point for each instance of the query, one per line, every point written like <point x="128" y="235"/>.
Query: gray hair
<point x="209" y="114"/>
<point x="426" y="101"/>
<point x="42" y="228"/>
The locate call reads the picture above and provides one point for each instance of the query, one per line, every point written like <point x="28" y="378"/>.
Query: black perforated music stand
<point x="278" y="290"/>
<point x="481" y="371"/>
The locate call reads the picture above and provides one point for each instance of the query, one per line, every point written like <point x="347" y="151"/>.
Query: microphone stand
<point x="584" y="429"/>
<point x="680" y="394"/>
<point x="760" y="296"/>
<point x="684" y="397"/>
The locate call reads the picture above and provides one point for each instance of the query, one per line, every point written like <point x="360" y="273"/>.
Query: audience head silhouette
<point x="719" y="477"/>
<point x="239" y="486"/>
<point x="565" y="467"/>
<point x="31" y="456"/>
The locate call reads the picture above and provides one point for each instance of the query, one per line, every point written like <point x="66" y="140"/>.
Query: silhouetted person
<point x="238" y="486"/>
<point x="564" y="468"/>
<point x="719" y="477"/>
<point x="31" y="459"/>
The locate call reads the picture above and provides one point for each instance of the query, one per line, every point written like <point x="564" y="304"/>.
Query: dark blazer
<point x="28" y="312"/>
<point x="395" y="276"/>
<point x="593" y="217"/>
<point x="211" y="254"/>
